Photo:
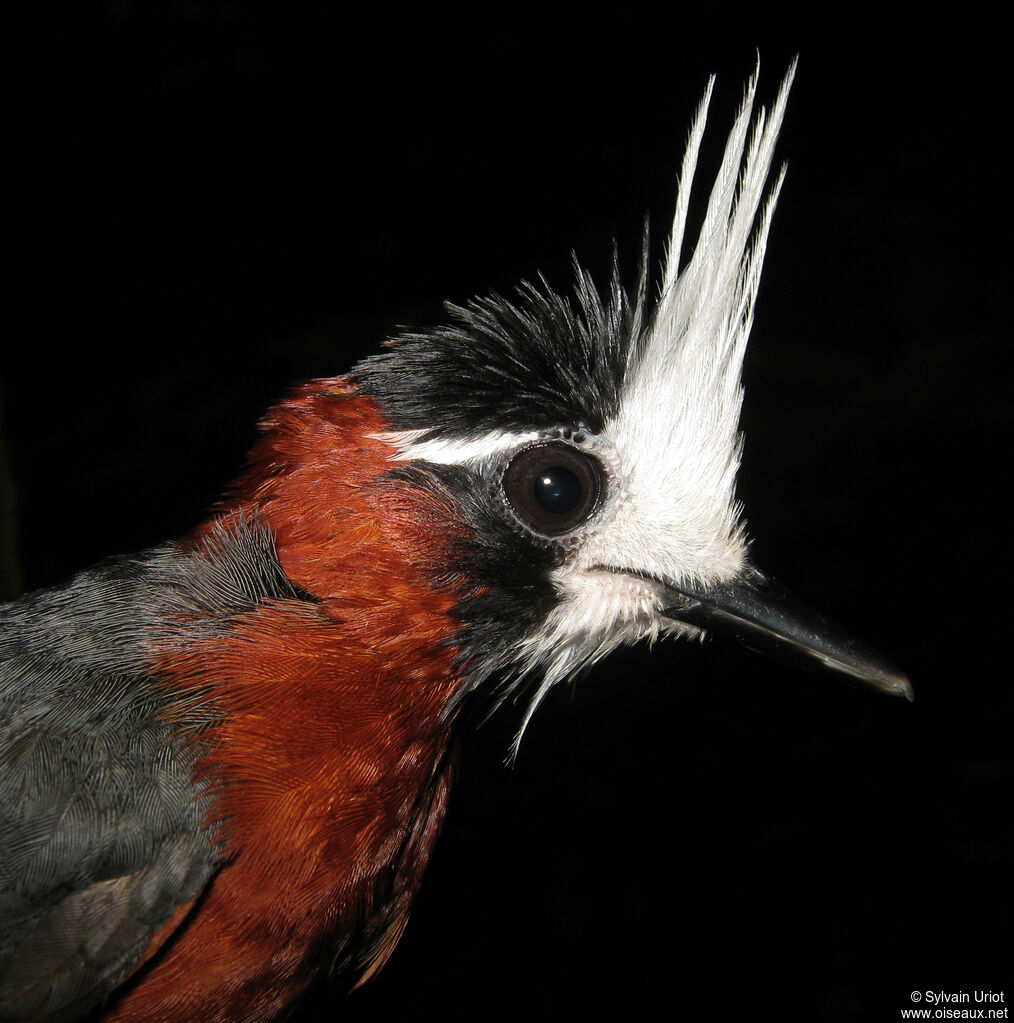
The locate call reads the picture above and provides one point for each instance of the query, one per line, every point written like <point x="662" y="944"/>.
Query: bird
<point x="225" y="760"/>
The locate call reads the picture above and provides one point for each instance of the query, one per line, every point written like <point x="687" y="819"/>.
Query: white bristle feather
<point x="674" y="445"/>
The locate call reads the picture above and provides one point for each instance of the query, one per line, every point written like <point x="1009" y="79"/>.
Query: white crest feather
<point x="676" y="433"/>
<point x="673" y="447"/>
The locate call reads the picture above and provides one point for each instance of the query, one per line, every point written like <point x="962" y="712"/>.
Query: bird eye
<point x="553" y="487"/>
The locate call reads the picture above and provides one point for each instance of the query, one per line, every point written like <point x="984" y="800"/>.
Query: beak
<point x="764" y="616"/>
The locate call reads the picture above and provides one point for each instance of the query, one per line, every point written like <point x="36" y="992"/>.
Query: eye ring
<point x="553" y="487"/>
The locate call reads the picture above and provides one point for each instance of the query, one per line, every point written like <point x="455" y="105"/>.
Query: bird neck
<point x="325" y="714"/>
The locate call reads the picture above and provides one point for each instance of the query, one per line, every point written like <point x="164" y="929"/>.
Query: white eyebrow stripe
<point x="453" y="451"/>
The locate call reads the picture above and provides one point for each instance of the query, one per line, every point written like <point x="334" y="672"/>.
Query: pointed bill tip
<point x="877" y="673"/>
<point x="762" y="615"/>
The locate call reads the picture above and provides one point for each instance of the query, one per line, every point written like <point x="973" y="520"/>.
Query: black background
<point x="208" y="203"/>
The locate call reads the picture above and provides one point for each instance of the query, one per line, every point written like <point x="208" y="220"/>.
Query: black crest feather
<point x="531" y="362"/>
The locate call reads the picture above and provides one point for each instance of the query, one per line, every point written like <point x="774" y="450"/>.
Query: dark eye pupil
<point x="553" y="487"/>
<point x="558" y="490"/>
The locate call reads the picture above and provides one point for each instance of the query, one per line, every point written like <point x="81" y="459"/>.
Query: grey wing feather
<point x="102" y="826"/>
<point x="102" y="829"/>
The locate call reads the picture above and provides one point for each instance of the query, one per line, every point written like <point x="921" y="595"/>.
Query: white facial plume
<point x="672" y="450"/>
<point x="676" y="433"/>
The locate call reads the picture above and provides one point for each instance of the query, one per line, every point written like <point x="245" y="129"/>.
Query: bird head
<point x="546" y="477"/>
<point x="589" y="446"/>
